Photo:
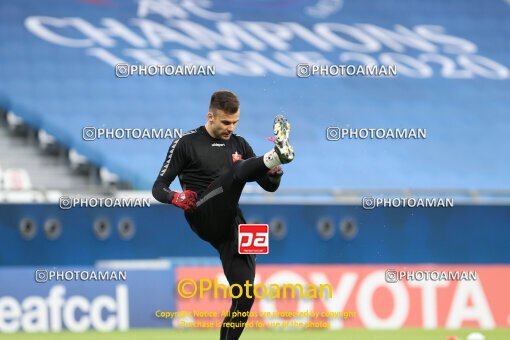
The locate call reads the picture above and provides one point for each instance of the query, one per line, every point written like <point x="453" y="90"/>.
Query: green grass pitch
<point x="347" y="334"/>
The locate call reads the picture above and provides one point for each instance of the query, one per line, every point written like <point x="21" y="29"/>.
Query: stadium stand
<point x="16" y="179"/>
<point x="59" y="77"/>
<point x="33" y="160"/>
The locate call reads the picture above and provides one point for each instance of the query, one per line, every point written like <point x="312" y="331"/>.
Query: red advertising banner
<point x="341" y="296"/>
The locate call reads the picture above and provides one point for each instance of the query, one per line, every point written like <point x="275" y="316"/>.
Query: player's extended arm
<point x="175" y="161"/>
<point x="185" y="200"/>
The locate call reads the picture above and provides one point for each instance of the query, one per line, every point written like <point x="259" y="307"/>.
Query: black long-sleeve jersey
<point x="198" y="159"/>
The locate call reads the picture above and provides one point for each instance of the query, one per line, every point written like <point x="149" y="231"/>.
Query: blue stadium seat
<point x="63" y="89"/>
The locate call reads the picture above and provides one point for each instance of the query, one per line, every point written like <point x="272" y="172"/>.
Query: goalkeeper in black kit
<point x="213" y="165"/>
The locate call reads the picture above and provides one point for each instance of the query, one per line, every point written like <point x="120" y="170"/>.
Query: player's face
<point x="223" y="124"/>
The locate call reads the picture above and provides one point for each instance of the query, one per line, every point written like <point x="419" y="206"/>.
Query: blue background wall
<point x="462" y="234"/>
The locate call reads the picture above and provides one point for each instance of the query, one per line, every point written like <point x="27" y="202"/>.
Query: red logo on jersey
<point x="236" y="157"/>
<point x="253" y="239"/>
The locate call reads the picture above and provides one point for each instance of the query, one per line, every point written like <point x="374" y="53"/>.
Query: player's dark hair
<point x="225" y="101"/>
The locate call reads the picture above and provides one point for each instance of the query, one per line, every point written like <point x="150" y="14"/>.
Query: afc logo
<point x="253" y="239"/>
